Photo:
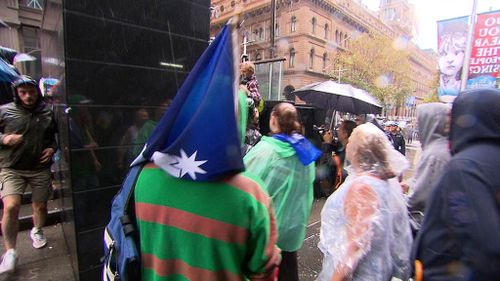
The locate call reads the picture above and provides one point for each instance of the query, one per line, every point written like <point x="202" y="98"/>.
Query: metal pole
<point x="279" y="80"/>
<point x="333" y="120"/>
<point x="273" y="25"/>
<point x="465" y="67"/>
<point x="270" y="81"/>
<point x="245" y="42"/>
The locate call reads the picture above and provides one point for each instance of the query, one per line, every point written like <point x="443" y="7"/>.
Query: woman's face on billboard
<point x="451" y="62"/>
<point x="451" y="56"/>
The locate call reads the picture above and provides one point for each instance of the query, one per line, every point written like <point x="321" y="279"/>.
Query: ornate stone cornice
<point x="325" y="5"/>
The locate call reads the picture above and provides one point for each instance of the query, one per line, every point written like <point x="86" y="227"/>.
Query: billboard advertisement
<point x="452" y="42"/>
<point x="484" y="63"/>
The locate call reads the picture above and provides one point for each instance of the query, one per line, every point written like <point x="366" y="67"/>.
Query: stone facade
<point x="23" y="19"/>
<point x="309" y="32"/>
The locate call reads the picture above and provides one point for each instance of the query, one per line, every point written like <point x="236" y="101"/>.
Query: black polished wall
<point x="112" y="54"/>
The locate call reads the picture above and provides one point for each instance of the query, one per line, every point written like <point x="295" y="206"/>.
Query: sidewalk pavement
<point x="51" y="263"/>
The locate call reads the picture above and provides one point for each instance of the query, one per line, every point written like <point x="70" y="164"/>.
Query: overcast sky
<point x="430" y="11"/>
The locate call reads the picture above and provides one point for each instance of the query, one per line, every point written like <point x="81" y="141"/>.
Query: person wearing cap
<point x="27" y="144"/>
<point x="396" y="138"/>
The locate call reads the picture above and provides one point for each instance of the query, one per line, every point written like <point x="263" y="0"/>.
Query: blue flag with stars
<point x="198" y="137"/>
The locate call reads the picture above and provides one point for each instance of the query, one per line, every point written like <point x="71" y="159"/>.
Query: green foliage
<point x="373" y="64"/>
<point x="432" y="96"/>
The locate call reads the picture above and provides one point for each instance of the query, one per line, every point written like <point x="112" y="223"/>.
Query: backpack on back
<point x="122" y="258"/>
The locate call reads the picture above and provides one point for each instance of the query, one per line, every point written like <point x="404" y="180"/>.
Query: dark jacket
<point x="398" y="141"/>
<point x="460" y="236"/>
<point x="38" y="128"/>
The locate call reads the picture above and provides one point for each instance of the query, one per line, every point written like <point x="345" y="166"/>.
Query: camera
<point x="320" y="130"/>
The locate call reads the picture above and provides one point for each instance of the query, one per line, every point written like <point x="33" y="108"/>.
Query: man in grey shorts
<point x="27" y="143"/>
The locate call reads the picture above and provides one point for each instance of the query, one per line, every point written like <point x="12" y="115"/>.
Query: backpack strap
<point x="128" y="218"/>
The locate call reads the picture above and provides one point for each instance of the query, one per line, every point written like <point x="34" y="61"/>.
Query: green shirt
<point x="207" y="231"/>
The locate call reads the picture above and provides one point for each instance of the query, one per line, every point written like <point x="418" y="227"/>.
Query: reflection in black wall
<point x="113" y="63"/>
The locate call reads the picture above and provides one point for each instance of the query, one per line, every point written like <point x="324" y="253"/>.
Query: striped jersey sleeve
<point x="204" y="230"/>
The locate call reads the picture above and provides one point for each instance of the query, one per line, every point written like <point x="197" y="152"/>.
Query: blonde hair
<point x="248" y="66"/>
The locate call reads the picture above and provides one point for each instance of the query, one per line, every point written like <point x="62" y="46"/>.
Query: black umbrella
<point x="340" y="97"/>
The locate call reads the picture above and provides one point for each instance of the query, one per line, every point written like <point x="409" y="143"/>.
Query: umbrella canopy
<point x="7" y="72"/>
<point x="341" y="97"/>
<point x="23" y="57"/>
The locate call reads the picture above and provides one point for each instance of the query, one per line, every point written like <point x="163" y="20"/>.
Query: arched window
<point x="291" y="62"/>
<point x="345" y="40"/>
<point x="341" y="37"/>
<point x="337" y="36"/>
<point x="325" y="60"/>
<point x="311" y="58"/>
<point x="222" y="8"/>
<point x="326" y="30"/>
<point x="313" y="25"/>
<point x="293" y="26"/>
<point x="258" y="56"/>
<point x="261" y="33"/>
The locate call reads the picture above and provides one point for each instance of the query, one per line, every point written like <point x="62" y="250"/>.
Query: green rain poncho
<point x="290" y="185"/>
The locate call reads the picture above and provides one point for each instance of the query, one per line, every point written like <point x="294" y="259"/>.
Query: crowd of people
<point x="374" y="225"/>
<point x="248" y="218"/>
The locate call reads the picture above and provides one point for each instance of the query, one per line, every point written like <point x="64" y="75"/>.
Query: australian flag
<point x="198" y="137"/>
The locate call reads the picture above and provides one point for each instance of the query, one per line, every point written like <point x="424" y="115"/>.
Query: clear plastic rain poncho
<point x="365" y="230"/>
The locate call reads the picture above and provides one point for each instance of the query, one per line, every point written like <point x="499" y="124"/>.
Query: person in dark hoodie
<point x="459" y="239"/>
<point x="433" y="122"/>
<point x="27" y="138"/>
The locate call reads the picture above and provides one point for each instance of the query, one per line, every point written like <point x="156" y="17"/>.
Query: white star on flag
<point x="189" y="165"/>
<point x="167" y="162"/>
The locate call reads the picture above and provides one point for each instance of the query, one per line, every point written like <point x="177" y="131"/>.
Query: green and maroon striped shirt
<point x="204" y="231"/>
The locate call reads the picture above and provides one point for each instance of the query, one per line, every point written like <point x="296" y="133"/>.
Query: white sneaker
<point x="9" y="261"/>
<point x="39" y="240"/>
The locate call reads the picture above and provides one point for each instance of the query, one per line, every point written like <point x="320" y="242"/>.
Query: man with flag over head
<point x="200" y="217"/>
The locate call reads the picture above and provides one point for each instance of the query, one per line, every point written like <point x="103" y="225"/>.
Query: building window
<point x="345" y="40"/>
<point x="277" y="30"/>
<point x="341" y="36"/>
<point x="233" y="3"/>
<point x="222" y="8"/>
<point x="258" y="56"/>
<point x="31" y="42"/>
<point x="326" y="31"/>
<point x="34" y="4"/>
<point x="313" y="25"/>
<point x="291" y="62"/>
<point x="293" y="26"/>
<point x="261" y="33"/>
<point x="325" y="60"/>
<point x="337" y="36"/>
<point x="311" y="58"/>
